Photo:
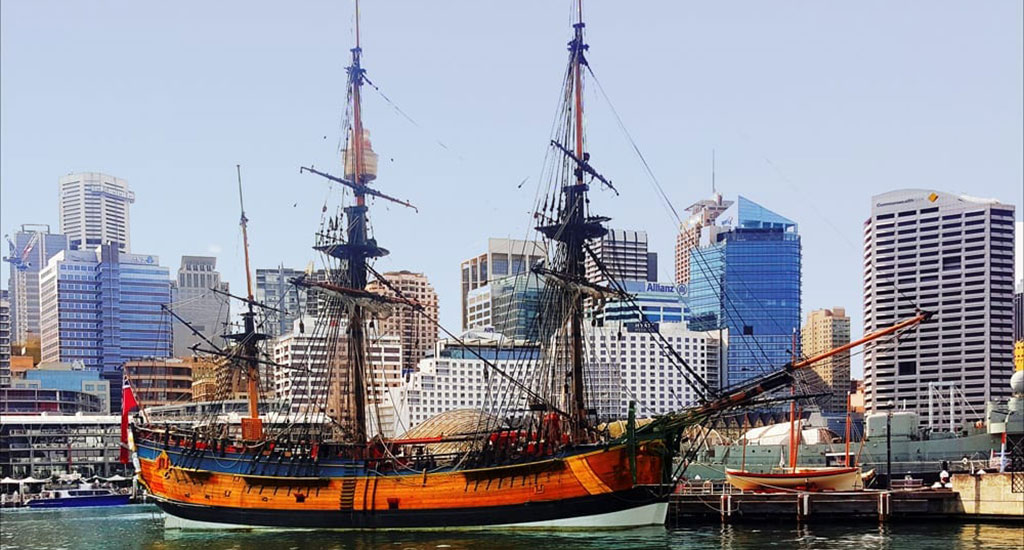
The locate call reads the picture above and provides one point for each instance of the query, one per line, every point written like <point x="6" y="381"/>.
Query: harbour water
<point x="140" y="526"/>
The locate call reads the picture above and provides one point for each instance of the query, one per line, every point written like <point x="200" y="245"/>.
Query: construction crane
<point x="18" y="259"/>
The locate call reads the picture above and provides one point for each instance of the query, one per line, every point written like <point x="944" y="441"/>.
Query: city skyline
<point x="895" y="131"/>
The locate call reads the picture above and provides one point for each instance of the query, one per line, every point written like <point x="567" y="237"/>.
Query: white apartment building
<point x="625" y="363"/>
<point x="648" y="374"/>
<point x="302" y="380"/>
<point x="953" y="256"/>
<point x="94" y="210"/>
<point x="455" y="377"/>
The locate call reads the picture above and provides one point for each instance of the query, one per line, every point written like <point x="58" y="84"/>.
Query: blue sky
<point x="811" y="108"/>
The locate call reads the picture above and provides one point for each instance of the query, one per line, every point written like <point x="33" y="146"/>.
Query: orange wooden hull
<point x="592" y="483"/>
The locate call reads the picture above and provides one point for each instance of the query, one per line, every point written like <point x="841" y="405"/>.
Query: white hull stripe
<point x="641" y="516"/>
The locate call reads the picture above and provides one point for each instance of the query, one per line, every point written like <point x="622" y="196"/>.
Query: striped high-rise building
<point x="953" y="256"/>
<point x="826" y="329"/>
<point x="94" y="210"/>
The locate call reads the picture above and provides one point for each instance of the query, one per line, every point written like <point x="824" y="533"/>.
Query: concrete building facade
<point x="66" y="377"/>
<point x="953" y="256"/>
<point x="503" y="257"/>
<point x="158" y="382"/>
<point x="94" y="210"/>
<point x="194" y="300"/>
<point x="417" y="331"/>
<point x="5" y="340"/>
<point x="623" y="252"/>
<point x="702" y="214"/>
<point x="301" y="382"/>
<point x="39" y="446"/>
<point x="826" y="329"/>
<point x="274" y="289"/>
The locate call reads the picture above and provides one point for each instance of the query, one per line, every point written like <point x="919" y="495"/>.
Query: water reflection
<point x="142" y="527"/>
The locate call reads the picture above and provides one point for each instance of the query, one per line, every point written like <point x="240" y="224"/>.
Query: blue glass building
<point x="102" y="307"/>
<point x="745" y="277"/>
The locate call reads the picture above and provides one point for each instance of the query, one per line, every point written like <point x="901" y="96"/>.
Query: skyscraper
<point x="702" y="213"/>
<point x="94" y="210"/>
<point x="5" y="340"/>
<point x="503" y="257"/>
<point x="1018" y="327"/>
<point x="195" y="302"/>
<point x="1018" y="313"/>
<point x="32" y="246"/>
<point x="623" y="253"/>
<point x="290" y="302"/>
<point x="745" y="278"/>
<point x="102" y="307"/>
<point x="417" y="331"/>
<point x="953" y="256"/>
<point x="826" y="329"/>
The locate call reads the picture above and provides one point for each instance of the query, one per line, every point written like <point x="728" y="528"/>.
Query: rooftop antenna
<point x="713" y="191"/>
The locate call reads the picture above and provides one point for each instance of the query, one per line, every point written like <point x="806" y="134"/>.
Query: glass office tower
<point x="745" y="278"/>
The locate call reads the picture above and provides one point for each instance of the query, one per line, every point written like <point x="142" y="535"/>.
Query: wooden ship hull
<point x="593" y="488"/>
<point x="820" y="479"/>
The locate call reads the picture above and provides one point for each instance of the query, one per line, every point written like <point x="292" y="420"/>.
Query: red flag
<point x="128" y="405"/>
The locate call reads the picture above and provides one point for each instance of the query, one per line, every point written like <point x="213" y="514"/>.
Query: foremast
<point x="248" y="340"/>
<point x="574" y="227"/>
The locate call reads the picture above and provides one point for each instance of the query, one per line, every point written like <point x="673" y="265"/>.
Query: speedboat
<point x="82" y="496"/>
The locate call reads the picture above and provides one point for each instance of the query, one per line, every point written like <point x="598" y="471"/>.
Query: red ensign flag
<point x="128" y="405"/>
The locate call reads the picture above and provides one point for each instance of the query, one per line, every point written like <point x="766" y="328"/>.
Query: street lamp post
<point x="888" y="445"/>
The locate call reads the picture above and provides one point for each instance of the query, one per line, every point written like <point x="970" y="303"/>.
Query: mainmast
<point x="359" y="170"/>
<point x="576" y="201"/>
<point x="358" y="251"/>
<point x="574" y="227"/>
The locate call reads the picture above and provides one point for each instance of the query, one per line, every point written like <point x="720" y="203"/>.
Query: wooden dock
<point x="717" y="503"/>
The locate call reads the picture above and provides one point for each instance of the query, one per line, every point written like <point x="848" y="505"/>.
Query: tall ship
<point x="535" y="456"/>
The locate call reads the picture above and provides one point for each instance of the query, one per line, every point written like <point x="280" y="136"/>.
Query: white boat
<point x="812" y="479"/>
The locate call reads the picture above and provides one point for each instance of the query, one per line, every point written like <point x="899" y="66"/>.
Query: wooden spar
<point x="357" y="120"/>
<point x="578" y="89"/>
<point x="249" y="343"/>
<point x="245" y="237"/>
<point x="920" y="317"/>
